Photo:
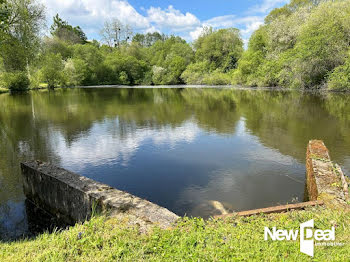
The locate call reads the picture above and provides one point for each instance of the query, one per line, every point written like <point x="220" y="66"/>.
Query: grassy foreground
<point x="236" y="239"/>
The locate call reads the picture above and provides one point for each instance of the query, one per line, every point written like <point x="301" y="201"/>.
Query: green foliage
<point x="195" y="73"/>
<point x="87" y="60"/>
<point x="122" y="69"/>
<point x="339" y="78"/>
<point x="148" y="39"/>
<point x="35" y="79"/>
<point x="217" y="53"/>
<point x="52" y="70"/>
<point x="217" y="78"/>
<point x="299" y="46"/>
<point x="169" y="59"/>
<point x="303" y="44"/>
<point x="58" y="46"/>
<point x="15" y="81"/>
<point x="64" y="31"/>
<point x="221" y="48"/>
<point x="248" y="66"/>
<point x="4" y="17"/>
<point x="20" y="35"/>
<point x="322" y="45"/>
<point x="199" y="74"/>
<point x="76" y="71"/>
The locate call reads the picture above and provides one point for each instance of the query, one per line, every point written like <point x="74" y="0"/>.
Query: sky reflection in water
<point x="180" y="148"/>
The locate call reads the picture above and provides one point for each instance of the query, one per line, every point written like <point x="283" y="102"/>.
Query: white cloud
<point x="197" y="32"/>
<point x="172" y="18"/>
<point x="152" y="29"/>
<point x="97" y="147"/>
<point x="91" y="14"/>
<point x="126" y="13"/>
<point x="247" y="25"/>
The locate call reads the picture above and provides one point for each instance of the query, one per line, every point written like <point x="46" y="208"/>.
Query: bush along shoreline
<point x="302" y="45"/>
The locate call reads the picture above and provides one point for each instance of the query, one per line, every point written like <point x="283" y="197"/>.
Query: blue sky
<point x="185" y="18"/>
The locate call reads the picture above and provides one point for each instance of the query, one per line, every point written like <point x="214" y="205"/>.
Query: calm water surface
<point x="180" y="148"/>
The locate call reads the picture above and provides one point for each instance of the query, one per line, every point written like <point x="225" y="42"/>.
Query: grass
<point x="236" y="239"/>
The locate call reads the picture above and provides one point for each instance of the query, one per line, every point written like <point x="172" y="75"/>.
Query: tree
<point x="15" y="81"/>
<point x="64" y="31"/>
<point x="115" y="32"/>
<point x="57" y="46"/>
<point x="76" y="71"/>
<point x="4" y="17"/>
<point x="216" y="55"/>
<point x="148" y="39"/>
<point x="302" y="45"/>
<point x="88" y="59"/>
<point x="248" y="66"/>
<point x="21" y="27"/>
<point x="52" y="70"/>
<point x="221" y="48"/>
<point x="322" y="45"/>
<point x="169" y="58"/>
<point x="339" y="78"/>
<point x="123" y="69"/>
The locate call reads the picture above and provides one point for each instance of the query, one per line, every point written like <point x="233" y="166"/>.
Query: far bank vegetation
<point x="302" y="45"/>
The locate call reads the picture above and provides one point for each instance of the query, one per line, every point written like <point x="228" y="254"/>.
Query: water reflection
<point x="181" y="148"/>
<point x="13" y="220"/>
<point x="105" y="145"/>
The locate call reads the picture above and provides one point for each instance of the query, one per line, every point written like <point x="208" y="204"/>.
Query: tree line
<point x="304" y="44"/>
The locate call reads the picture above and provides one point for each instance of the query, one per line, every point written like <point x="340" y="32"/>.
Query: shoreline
<point x="233" y="87"/>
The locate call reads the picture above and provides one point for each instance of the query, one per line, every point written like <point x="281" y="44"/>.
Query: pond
<point x="182" y="148"/>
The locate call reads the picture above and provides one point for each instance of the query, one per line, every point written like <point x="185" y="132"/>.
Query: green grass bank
<point x="235" y="239"/>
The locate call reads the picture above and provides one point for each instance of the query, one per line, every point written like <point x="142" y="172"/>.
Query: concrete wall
<point x="71" y="197"/>
<point x="323" y="179"/>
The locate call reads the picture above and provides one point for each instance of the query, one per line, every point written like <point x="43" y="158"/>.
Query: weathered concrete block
<point x="322" y="179"/>
<point x="72" y="197"/>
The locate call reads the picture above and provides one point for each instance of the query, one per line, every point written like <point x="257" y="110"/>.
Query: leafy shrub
<point x="121" y="69"/>
<point x="15" y="81"/>
<point x="298" y="47"/>
<point x="169" y="59"/>
<point x="87" y="60"/>
<point x="76" y="72"/>
<point x="252" y="59"/>
<point x="158" y="74"/>
<point x="123" y="78"/>
<point x="339" y="79"/>
<point x="220" y="48"/>
<point x="52" y="70"/>
<point x="35" y="79"/>
<point x="322" y="45"/>
<point x="217" y="78"/>
<point x="194" y="73"/>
